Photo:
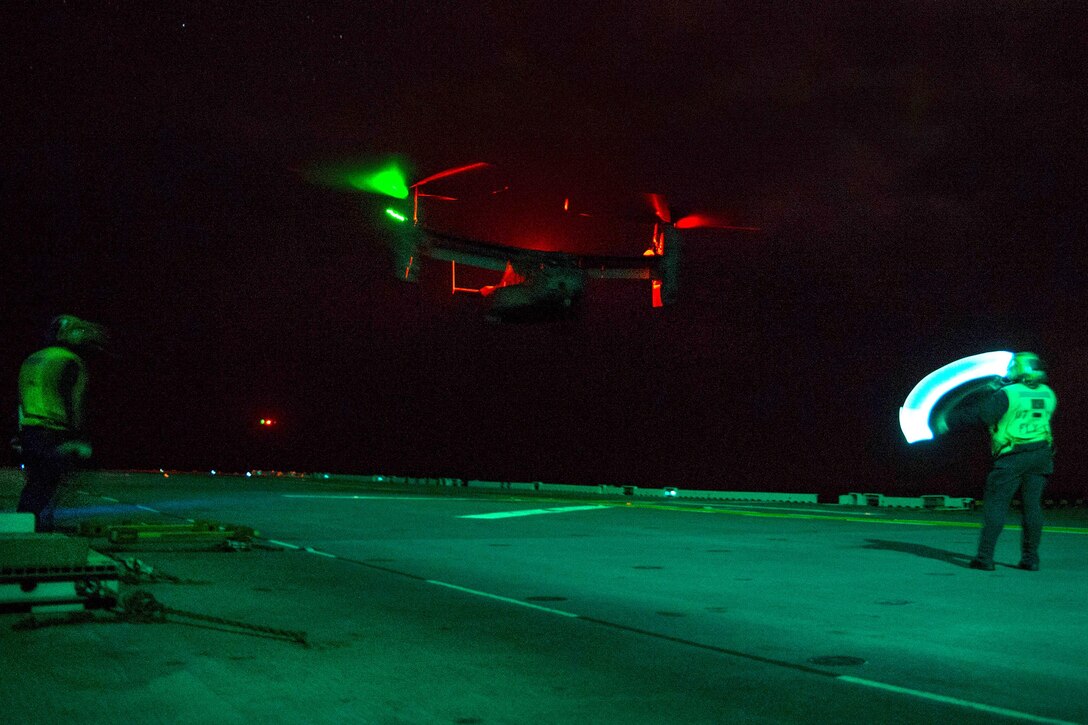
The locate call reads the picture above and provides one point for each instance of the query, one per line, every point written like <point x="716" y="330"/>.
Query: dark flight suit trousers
<point x="1024" y="471"/>
<point x="46" y="470"/>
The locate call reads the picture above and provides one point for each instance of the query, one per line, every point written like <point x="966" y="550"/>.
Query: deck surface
<point x="433" y="604"/>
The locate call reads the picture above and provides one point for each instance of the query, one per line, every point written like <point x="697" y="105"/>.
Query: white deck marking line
<point x="532" y="512"/>
<point x="375" y="498"/>
<point x="508" y="600"/>
<point x="307" y="549"/>
<point x="283" y="543"/>
<point x="148" y="508"/>
<point x="990" y="709"/>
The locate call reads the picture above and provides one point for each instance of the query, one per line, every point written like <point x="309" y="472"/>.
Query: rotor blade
<point x="710" y="221"/>
<point x="451" y="172"/>
<point x="660" y="207"/>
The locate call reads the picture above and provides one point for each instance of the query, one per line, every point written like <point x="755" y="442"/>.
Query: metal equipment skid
<point x="51" y="572"/>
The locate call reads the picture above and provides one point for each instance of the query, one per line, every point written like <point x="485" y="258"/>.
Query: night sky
<point x="916" y="168"/>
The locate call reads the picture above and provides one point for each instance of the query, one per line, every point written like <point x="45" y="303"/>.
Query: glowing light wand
<point x="917" y="408"/>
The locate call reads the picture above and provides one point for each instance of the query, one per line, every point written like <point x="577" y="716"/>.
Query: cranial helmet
<point x="1027" y="368"/>
<point x="71" y="331"/>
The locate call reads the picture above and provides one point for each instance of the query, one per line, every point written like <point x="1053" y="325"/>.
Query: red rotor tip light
<point x="660" y="207"/>
<point x="709" y="221"/>
<point x="451" y="172"/>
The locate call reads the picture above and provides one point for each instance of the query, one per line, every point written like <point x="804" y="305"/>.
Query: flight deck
<point x="356" y="600"/>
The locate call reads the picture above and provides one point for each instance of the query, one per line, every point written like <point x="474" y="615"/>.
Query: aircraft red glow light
<point x="661" y="207"/>
<point x="451" y="172"/>
<point x="709" y="221"/>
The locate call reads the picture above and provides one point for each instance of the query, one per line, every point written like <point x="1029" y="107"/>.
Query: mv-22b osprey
<point x="540" y="279"/>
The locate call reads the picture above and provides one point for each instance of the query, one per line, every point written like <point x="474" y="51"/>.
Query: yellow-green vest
<point x="46" y="398"/>
<point x="1027" y="420"/>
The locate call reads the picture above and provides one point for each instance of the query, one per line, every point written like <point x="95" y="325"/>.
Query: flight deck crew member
<point x="1018" y="417"/>
<point x="52" y="430"/>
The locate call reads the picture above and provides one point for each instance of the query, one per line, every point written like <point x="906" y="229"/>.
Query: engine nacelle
<point x="406" y="244"/>
<point x="669" y="265"/>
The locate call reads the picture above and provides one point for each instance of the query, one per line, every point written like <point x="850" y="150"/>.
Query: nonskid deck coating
<point x="759" y="597"/>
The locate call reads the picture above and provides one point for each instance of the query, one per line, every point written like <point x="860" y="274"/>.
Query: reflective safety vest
<point x="1027" y="420"/>
<point x="51" y="387"/>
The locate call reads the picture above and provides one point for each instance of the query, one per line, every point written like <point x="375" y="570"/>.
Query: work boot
<point x="1029" y="556"/>
<point x="980" y="564"/>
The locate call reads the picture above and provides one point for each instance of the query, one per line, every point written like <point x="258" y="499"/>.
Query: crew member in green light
<point x="53" y="437"/>
<point x="1017" y="416"/>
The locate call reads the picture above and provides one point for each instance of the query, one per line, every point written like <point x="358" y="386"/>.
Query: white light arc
<point x="914" y="415"/>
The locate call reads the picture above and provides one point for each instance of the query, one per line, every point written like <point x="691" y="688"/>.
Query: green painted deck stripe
<point x="989" y="709"/>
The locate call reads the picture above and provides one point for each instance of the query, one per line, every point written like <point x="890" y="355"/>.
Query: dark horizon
<point x="915" y="172"/>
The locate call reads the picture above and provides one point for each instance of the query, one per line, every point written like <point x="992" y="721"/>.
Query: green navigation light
<point x="396" y="215"/>
<point x="389" y="181"/>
